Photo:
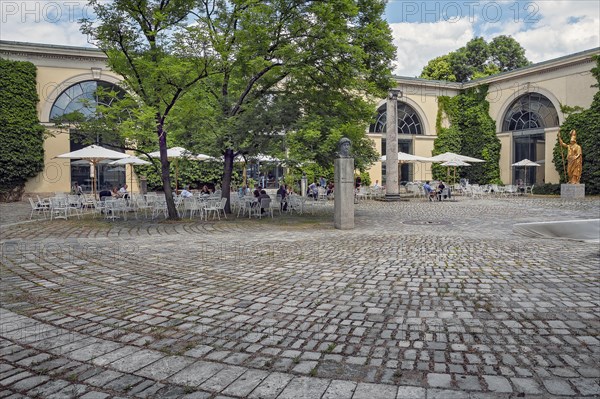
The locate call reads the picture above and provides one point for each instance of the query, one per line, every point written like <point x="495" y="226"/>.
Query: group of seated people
<point x="204" y="192"/>
<point x="313" y="189"/>
<point x="436" y="193"/>
<point x="114" y="193"/>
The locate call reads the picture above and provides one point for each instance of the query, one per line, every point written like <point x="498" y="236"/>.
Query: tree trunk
<point x="165" y="172"/>
<point x="227" y="172"/>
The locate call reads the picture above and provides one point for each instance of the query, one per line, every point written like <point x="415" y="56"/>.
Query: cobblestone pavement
<point x="420" y="300"/>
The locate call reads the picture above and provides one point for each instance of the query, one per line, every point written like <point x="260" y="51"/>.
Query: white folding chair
<point x="36" y="207"/>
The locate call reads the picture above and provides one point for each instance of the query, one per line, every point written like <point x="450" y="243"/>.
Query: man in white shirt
<point x="185" y="193"/>
<point x="123" y="192"/>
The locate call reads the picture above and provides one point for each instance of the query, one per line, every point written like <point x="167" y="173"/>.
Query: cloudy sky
<point x="422" y="29"/>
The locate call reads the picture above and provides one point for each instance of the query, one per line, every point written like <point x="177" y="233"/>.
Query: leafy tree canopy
<point x="227" y="77"/>
<point x="476" y="60"/>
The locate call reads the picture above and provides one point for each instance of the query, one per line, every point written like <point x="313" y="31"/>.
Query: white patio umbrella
<point x="94" y="154"/>
<point x="404" y="157"/>
<point x="450" y="156"/>
<point x="525" y="163"/>
<point x="175" y="153"/>
<point x="130" y="161"/>
<point x="455" y="163"/>
<point x="202" y="157"/>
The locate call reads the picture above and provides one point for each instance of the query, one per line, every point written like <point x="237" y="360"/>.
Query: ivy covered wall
<point x="472" y="132"/>
<point x="21" y="135"/>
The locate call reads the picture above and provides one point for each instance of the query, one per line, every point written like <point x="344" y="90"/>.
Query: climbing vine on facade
<point x="470" y="131"/>
<point x="22" y="135"/>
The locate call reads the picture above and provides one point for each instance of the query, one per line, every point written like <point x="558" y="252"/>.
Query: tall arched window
<point x="527" y="117"/>
<point x="530" y="111"/>
<point x="408" y="120"/>
<point x="83" y="97"/>
<point x="77" y="102"/>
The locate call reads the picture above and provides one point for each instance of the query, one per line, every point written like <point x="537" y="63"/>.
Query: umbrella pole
<point x="94" y="180"/>
<point x="131" y="177"/>
<point x="176" y="174"/>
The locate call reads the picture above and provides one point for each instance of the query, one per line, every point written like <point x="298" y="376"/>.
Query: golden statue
<point x="574" y="158"/>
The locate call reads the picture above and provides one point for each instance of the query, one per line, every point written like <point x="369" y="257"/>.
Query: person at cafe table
<point x="440" y="191"/>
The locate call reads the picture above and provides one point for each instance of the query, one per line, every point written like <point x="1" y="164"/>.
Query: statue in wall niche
<point x="574" y="158"/>
<point x="344" y="146"/>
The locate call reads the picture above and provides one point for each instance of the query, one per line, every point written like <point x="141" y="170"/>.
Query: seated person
<point x="429" y="191"/>
<point x="123" y="192"/>
<point x="185" y="193"/>
<point x="313" y="191"/>
<point x="104" y="194"/>
<point x="440" y="188"/>
<point x="77" y="189"/>
<point x="115" y="193"/>
<point x="263" y="195"/>
<point x="330" y="188"/>
<point x="205" y="191"/>
<point x="282" y="192"/>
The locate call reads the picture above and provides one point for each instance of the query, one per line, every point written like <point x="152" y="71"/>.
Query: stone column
<point x="303" y="185"/>
<point x="344" y="193"/>
<point x="391" y="146"/>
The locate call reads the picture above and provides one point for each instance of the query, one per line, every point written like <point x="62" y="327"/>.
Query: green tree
<point x="146" y="43"/>
<point x="477" y="59"/>
<point x="587" y="125"/>
<point x="21" y="135"/>
<point x="290" y="75"/>
<point x="507" y="54"/>
<point x="439" y="68"/>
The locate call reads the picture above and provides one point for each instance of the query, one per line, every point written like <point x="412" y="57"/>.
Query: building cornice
<point x="583" y="57"/>
<point x="53" y="52"/>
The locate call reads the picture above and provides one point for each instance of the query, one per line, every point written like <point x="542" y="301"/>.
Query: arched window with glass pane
<point x="82" y="99"/>
<point x="79" y="102"/>
<point x="530" y="111"/>
<point x="408" y="120"/>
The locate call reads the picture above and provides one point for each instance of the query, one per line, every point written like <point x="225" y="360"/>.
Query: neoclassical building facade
<point x="525" y="103"/>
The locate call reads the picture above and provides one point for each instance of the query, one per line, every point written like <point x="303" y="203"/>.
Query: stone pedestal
<point x="572" y="191"/>
<point x="343" y="218"/>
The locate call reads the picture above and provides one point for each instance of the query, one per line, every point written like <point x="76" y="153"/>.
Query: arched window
<point x="530" y="111"/>
<point x="78" y="102"/>
<point x="408" y="120"/>
<point x="83" y="97"/>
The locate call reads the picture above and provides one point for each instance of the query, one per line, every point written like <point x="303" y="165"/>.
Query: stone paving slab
<point x="289" y="307"/>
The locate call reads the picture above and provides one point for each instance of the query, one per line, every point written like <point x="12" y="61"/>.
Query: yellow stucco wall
<point x="551" y="175"/>
<point x="505" y="158"/>
<point x="375" y="170"/>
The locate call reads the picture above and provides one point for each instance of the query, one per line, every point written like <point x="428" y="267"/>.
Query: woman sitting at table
<point x="205" y="191"/>
<point x="115" y="192"/>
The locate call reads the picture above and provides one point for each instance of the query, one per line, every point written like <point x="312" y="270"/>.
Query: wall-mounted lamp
<point x="96" y="73"/>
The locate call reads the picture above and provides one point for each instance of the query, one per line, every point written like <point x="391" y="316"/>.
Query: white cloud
<point x="555" y="34"/>
<point x="545" y="29"/>
<point x="418" y="43"/>
<point x="50" y="22"/>
<point x="66" y="33"/>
